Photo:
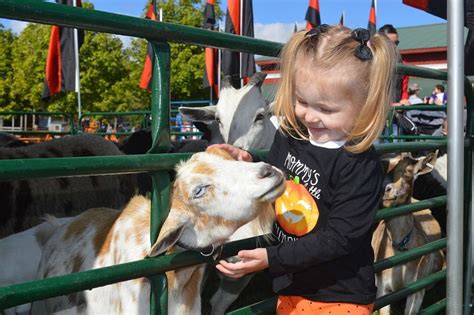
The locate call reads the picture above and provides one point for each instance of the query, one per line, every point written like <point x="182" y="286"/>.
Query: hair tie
<point x="323" y="28"/>
<point x="362" y="52"/>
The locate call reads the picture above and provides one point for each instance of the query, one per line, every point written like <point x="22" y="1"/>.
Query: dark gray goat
<point x="23" y="203"/>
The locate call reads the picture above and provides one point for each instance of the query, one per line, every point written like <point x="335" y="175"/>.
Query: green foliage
<point x="6" y="71"/>
<point x="187" y="61"/>
<point x="29" y="52"/>
<point x="110" y="73"/>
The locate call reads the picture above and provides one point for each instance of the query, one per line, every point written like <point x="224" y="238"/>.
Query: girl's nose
<point x="312" y="117"/>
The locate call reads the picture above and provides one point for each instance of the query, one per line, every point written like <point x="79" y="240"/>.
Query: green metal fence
<point x="157" y="163"/>
<point x="37" y="125"/>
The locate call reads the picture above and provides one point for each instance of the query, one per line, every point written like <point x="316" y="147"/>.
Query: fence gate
<point x="157" y="163"/>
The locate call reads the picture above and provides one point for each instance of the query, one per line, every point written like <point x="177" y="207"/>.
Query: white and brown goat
<point x="405" y="232"/>
<point x="212" y="197"/>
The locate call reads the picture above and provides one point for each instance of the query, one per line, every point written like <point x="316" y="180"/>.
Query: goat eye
<point x="218" y="121"/>
<point x="200" y="191"/>
<point x="259" y="116"/>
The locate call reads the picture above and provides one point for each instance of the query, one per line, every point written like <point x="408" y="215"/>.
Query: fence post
<point x="456" y="158"/>
<point x="160" y="203"/>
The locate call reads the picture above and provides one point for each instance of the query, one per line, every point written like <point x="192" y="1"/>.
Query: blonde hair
<point x="368" y="83"/>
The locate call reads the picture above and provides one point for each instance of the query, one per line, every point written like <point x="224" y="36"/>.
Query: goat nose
<point x="388" y="188"/>
<point x="265" y="171"/>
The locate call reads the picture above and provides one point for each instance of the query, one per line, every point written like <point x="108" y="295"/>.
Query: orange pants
<point x="296" y="305"/>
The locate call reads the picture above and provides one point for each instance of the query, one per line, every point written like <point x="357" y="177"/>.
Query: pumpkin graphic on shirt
<point x="296" y="211"/>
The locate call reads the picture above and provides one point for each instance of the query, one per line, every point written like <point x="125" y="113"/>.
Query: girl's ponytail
<point x="373" y="114"/>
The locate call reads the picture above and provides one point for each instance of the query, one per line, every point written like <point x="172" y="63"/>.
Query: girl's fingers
<point x="246" y="254"/>
<point x="230" y="273"/>
<point x="245" y="156"/>
<point x="219" y="145"/>
<point x="235" y="152"/>
<point x="231" y="266"/>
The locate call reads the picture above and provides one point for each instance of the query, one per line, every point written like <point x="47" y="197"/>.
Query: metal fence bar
<point x="455" y="152"/>
<point x="100" y="21"/>
<point x="409" y="255"/>
<point x="410" y="146"/>
<point x="436" y="308"/>
<point x="265" y="307"/>
<point x="42" y="289"/>
<point x="410" y="289"/>
<point x="160" y="197"/>
<point x="83" y="166"/>
<point x="86" y="280"/>
<point x="387" y="213"/>
<point x="87" y="166"/>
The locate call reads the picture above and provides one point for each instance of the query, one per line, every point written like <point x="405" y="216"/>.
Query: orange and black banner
<point x="439" y="8"/>
<point x="372" y="26"/>
<point x="61" y="61"/>
<point x="435" y="7"/>
<point x="313" y="17"/>
<point x="231" y="64"/>
<point x="147" y="73"/>
<point x="211" y="54"/>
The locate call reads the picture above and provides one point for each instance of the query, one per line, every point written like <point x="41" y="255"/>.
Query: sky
<point x="275" y="19"/>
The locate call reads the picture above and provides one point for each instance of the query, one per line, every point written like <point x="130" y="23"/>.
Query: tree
<point x="6" y="71"/>
<point x="29" y="52"/>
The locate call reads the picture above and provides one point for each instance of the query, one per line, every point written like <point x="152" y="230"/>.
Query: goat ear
<point x="170" y="233"/>
<point x="426" y="164"/>
<point x="257" y="79"/>
<point x="205" y="114"/>
<point x="226" y="82"/>
<point x="391" y="163"/>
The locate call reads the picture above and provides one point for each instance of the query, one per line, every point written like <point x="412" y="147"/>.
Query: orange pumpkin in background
<point x="296" y="210"/>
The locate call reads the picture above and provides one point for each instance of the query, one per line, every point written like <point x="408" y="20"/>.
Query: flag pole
<point x="240" y="31"/>
<point x="76" y="57"/>
<point x="376" y="7"/>
<point x="219" y="65"/>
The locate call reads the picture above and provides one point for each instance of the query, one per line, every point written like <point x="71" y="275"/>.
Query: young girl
<point x="334" y="94"/>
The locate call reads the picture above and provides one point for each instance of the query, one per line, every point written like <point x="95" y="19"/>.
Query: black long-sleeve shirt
<point x="332" y="262"/>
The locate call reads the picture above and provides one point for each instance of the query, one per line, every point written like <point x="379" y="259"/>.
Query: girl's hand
<point x="251" y="261"/>
<point x="236" y="153"/>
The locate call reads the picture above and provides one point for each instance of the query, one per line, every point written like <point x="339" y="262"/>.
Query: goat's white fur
<point x="243" y="114"/>
<point x="21" y="255"/>
<point x="212" y="197"/>
<point x="440" y="172"/>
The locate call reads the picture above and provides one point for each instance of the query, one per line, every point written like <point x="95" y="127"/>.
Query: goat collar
<point x="206" y="251"/>
<point x="402" y="245"/>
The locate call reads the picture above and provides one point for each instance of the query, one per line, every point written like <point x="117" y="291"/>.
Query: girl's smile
<point x="316" y="130"/>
